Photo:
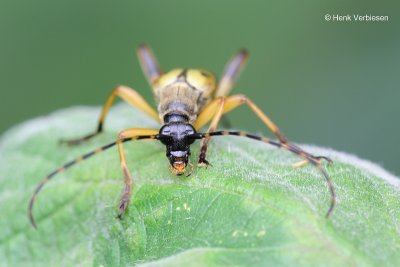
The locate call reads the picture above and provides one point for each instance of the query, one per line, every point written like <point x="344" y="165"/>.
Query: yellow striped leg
<point x="128" y="95"/>
<point x="132" y="134"/>
<point x="213" y="112"/>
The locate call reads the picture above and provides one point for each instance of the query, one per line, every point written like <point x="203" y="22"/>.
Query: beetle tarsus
<point x="78" y="141"/>
<point x="203" y="163"/>
<point x="328" y="160"/>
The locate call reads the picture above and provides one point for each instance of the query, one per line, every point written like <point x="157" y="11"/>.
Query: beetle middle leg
<point x="216" y="108"/>
<point x="128" y="95"/>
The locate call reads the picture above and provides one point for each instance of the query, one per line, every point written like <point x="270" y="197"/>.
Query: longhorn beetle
<point x="187" y="100"/>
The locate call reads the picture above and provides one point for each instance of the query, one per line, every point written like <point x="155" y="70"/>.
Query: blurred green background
<point x="334" y="84"/>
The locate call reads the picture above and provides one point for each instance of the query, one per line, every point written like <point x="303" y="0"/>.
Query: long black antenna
<point x="72" y="163"/>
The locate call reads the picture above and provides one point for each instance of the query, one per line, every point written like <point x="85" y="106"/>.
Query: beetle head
<point x="177" y="137"/>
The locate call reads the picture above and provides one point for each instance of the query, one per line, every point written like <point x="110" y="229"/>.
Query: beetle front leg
<point x="216" y="109"/>
<point x="130" y="134"/>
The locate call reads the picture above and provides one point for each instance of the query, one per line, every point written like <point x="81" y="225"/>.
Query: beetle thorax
<point x="184" y="91"/>
<point x="181" y="99"/>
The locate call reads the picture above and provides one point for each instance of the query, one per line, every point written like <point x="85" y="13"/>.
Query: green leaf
<point x="251" y="208"/>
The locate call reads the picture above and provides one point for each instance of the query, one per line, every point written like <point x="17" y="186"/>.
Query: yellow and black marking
<point x="187" y="99"/>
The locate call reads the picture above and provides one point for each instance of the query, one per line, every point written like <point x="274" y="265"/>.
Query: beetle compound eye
<point x="165" y="130"/>
<point x="189" y="130"/>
